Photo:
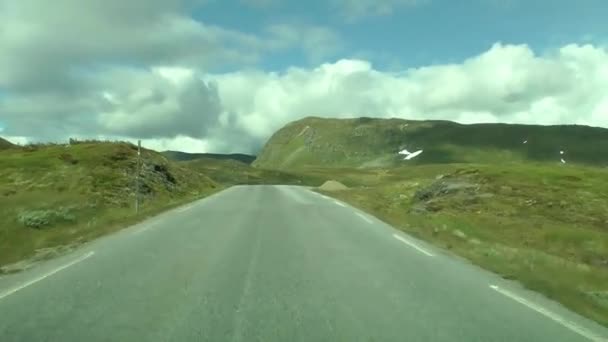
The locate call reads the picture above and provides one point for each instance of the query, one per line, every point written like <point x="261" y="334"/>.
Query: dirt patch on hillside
<point x="332" y="185"/>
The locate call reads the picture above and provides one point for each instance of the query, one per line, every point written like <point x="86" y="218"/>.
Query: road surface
<point x="272" y="263"/>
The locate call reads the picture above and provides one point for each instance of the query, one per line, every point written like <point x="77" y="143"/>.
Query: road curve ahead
<point x="272" y="263"/>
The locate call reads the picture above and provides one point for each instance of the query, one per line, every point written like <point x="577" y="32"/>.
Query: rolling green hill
<point x="4" y="144"/>
<point x="369" y="143"/>
<point x="54" y="195"/>
<point x="183" y="156"/>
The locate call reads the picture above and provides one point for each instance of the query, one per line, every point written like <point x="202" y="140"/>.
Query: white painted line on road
<point x="46" y="275"/>
<point x="577" y="329"/>
<point x="295" y="195"/>
<point x="364" y="217"/>
<point x="340" y="204"/>
<point x="181" y="210"/>
<point x="141" y="230"/>
<point x="411" y="244"/>
<point x="320" y="194"/>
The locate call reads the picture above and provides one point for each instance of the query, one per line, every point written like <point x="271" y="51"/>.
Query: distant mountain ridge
<point x="183" y="156"/>
<point x="371" y="142"/>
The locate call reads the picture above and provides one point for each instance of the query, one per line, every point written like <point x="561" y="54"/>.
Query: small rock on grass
<point x="459" y="233"/>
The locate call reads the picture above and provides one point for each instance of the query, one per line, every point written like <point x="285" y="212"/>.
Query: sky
<point x="223" y="75"/>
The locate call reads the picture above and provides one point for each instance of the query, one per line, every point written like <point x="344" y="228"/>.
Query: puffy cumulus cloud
<point x="162" y="102"/>
<point x="183" y="108"/>
<point x="124" y="69"/>
<point x="49" y="44"/>
<point x="504" y="84"/>
<point x="356" y="9"/>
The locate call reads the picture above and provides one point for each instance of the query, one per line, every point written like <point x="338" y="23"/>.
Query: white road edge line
<point x="340" y="204"/>
<point x="320" y="194"/>
<point x="411" y="244"/>
<point x="141" y="230"/>
<point x="577" y="329"/>
<point x="364" y="217"/>
<point x="181" y="210"/>
<point x="46" y="275"/>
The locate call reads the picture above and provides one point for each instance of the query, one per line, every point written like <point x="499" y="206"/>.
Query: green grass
<point x="183" y="156"/>
<point x="55" y="195"/>
<point x="542" y="225"/>
<point x="372" y="143"/>
<point x="231" y="172"/>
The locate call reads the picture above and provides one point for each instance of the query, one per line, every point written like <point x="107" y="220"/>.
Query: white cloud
<point x="356" y="9"/>
<point x="50" y="44"/>
<point x="179" y="143"/>
<point x="162" y="102"/>
<point x="504" y="84"/>
<point x="176" y="107"/>
<point x="139" y="70"/>
<point x="109" y="67"/>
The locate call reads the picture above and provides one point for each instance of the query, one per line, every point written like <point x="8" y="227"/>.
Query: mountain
<point x="183" y="156"/>
<point x="4" y="144"/>
<point x="370" y="142"/>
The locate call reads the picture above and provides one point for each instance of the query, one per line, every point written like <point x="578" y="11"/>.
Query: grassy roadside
<point x="232" y="172"/>
<point x="54" y="197"/>
<point x="542" y="225"/>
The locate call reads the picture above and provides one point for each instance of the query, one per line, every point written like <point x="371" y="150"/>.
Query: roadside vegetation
<point x="544" y="225"/>
<point x="53" y="197"/>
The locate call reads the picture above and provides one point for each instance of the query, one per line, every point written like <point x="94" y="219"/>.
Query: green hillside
<point x="4" y="144"/>
<point x="231" y="172"/>
<point x="367" y="142"/>
<point x="183" y="156"/>
<point x="53" y="195"/>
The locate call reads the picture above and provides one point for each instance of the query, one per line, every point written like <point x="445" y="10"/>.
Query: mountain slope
<point x="183" y="156"/>
<point x="54" y="195"/>
<point x="4" y="144"/>
<point x="367" y="142"/>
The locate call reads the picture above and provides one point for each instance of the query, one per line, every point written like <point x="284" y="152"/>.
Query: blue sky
<point x="431" y="32"/>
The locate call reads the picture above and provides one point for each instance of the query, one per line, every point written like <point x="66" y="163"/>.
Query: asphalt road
<point x="272" y="263"/>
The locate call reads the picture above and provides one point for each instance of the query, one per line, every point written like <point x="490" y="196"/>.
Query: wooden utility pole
<point x="137" y="177"/>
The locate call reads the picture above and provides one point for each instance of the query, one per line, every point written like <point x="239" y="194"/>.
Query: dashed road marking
<point x="364" y="217"/>
<point x="411" y="244"/>
<point x="557" y="318"/>
<point x="340" y="204"/>
<point x="44" y="276"/>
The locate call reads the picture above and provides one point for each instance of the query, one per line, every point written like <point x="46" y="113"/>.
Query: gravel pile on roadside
<point x="332" y="185"/>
